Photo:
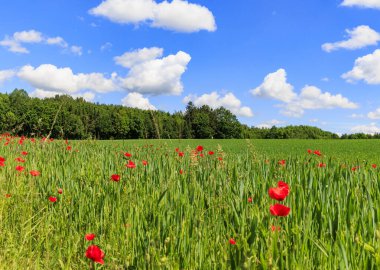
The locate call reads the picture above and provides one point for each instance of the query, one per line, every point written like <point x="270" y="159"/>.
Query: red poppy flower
<point x="144" y="162"/>
<point x="19" y="159"/>
<point x="24" y="153"/>
<point x="19" y="168"/>
<point x="181" y="154"/>
<point x="321" y="165"/>
<point x="131" y="165"/>
<point x="90" y="236"/>
<point x="8" y="195"/>
<point x="115" y="177"/>
<point x="2" y="159"/>
<point x="210" y="153"/>
<point x="199" y="148"/>
<point x="201" y="155"/>
<point x="282" y="162"/>
<point x="280" y="192"/>
<point x="279" y="210"/>
<point x="317" y="152"/>
<point x="126" y="154"/>
<point x="374" y="166"/>
<point x="35" y="173"/>
<point x="2" y="164"/>
<point x="177" y="149"/>
<point x="68" y="148"/>
<point x="309" y="151"/>
<point x="60" y="190"/>
<point x="354" y="168"/>
<point x="232" y="241"/>
<point x="95" y="253"/>
<point x="180" y="171"/>
<point x="220" y="158"/>
<point x="274" y="228"/>
<point x="250" y="200"/>
<point x="52" y="199"/>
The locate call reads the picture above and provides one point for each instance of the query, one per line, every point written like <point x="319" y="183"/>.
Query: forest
<point x="64" y="117"/>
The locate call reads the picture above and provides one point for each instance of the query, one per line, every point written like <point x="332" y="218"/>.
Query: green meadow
<point x="181" y="212"/>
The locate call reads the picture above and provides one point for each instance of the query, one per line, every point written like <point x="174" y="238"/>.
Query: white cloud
<point x="375" y="114"/>
<point x="136" y="100"/>
<point x="63" y="80"/>
<point x="15" y="43"/>
<point x="367" y="129"/>
<point x="312" y="98"/>
<point x="40" y="93"/>
<point x="271" y="123"/>
<point x="148" y="75"/>
<point x="76" y="50"/>
<point x="57" y="41"/>
<point x="6" y="75"/>
<point x="362" y="3"/>
<point x="106" y="46"/>
<point x="357" y="116"/>
<point x="359" y="37"/>
<point x="214" y="100"/>
<point x="366" y="68"/>
<point x="178" y="15"/>
<point x="275" y="86"/>
<point x="31" y="36"/>
<point x="130" y="59"/>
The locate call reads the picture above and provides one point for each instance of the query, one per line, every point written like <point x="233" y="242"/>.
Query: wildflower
<point x="24" y="153"/>
<point x="232" y="241"/>
<point x="321" y="165"/>
<point x="19" y="168"/>
<point x="144" y="162"/>
<point x="131" y="165"/>
<point x="317" y="152"/>
<point x="95" y="253"/>
<point x="126" y="154"/>
<point x="181" y="154"/>
<point x="34" y="173"/>
<point x="280" y="192"/>
<point x="279" y="210"/>
<point x="52" y="199"/>
<point x="199" y="148"/>
<point x="309" y="151"/>
<point x="90" y="236"/>
<point x="250" y="199"/>
<point x="68" y="148"/>
<point x="60" y="190"/>
<point x="115" y="177"/>
<point x="374" y="166"/>
<point x="282" y="162"/>
<point x="210" y="153"/>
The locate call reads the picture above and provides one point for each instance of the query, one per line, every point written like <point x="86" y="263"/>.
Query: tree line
<point x="65" y="117"/>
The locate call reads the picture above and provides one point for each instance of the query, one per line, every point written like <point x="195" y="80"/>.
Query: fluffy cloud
<point x="150" y="75"/>
<point x="63" y="80"/>
<point x="367" y="129"/>
<point x="6" y="75"/>
<point x="214" y="100"/>
<point x="375" y="114"/>
<point x="77" y="50"/>
<point x="276" y="87"/>
<point x="136" y="100"/>
<point x="359" y="37"/>
<point x="366" y="68"/>
<point x="178" y="15"/>
<point x="362" y="3"/>
<point x="271" y="123"/>
<point x="39" y="93"/>
<point x="15" y="43"/>
<point x="130" y="59"/>
<point x="312" y="98"/>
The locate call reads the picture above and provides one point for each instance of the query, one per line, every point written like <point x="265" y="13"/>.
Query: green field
<point x="157" y="218"/>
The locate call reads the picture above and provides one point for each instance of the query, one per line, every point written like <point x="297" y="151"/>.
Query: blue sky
<point x="270" y="62"/>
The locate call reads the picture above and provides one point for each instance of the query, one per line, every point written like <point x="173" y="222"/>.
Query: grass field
<point x="189" y="212"/>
